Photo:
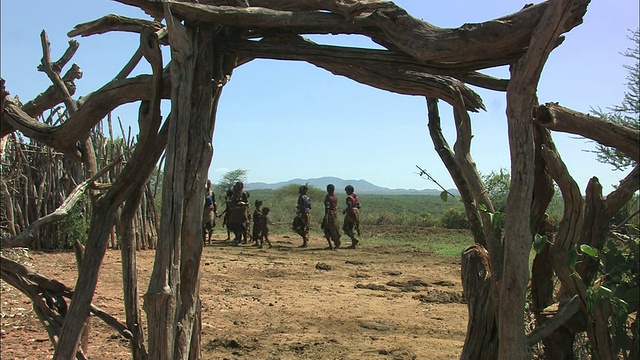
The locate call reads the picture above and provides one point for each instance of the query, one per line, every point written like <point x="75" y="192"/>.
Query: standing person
<point x="264" y="228"/>
<point x="225" y="213"/>
<point x="257" y="222"/>
<point x="330" y="220"/>
<point x="352" y="216"/>
<point x="238" y="213"/>
<point x="210" y="213"/>
<point x="303" y="215"/>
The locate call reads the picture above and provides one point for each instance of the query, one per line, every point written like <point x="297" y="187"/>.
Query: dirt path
<point x="281" y="303"/>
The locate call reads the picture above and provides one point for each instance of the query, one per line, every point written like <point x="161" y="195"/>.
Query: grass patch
<point x="447" y="243"/>
<point x="450" y="250"/>
<point x="443" y="242"/>
<point x="395" y="241"/>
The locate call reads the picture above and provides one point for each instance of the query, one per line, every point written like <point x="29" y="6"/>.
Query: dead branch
<point x="41" y="289"/>
<point x="469" y="46"/>
<point x="558" y="118"/>
<point x="449" y="160"/>
<point x="622" y="194"/>
<point x="51" y="97"/>
<point x="92" y="110"/>
<point x="291" y="48"/>
<point x="567" y="239"/>
<point x="114" y="23"/>
<point x="565" y="313"/>
<point x="52" y="70"/>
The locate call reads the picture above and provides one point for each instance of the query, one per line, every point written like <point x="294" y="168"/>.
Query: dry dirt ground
<point x="374" y="302"/>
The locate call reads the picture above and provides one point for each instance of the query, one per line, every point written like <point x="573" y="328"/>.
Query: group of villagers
<point x="237" y="220"/>
<point x="351" y="223"/>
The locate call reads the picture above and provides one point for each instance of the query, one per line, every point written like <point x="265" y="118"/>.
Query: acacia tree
<point x="230" y="178"/>
<point x="628" y="112"/>
<point x="209" y="39"/>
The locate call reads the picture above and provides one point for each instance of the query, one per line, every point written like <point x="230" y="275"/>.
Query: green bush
<point x="377" y="210"/>
<point x="425" y="220"/>
<point x="73" y="227"/>
<point x="454" y="218"/>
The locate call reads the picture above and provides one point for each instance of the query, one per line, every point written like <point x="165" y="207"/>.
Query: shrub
<point x="454" y="218"/>
<point x="73" y="227"/>
<point x="426" y="220"/>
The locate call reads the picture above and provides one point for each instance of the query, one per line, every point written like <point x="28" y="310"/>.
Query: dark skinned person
<point x="210" y="213"/>
<point x="351" y="224"/>
<point x="330" y="220"/>
<point x="238" y="213"/>
<point x="303" y="215"/>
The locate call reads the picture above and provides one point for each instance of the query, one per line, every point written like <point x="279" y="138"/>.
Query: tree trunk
<point x="481" y="342"/>
<point x="102" y="221"/>
<point x="448" y="158"/>
<point x="130" y="277"/>
<point x="479" y="281"/>
<point x="172" y="300"/>
<point x="559" y="345"/>
<point x="569" y="236"/>
<point x="132" y="179"/>
<point x="86" y="327"/>
<point x="521" y="95"/>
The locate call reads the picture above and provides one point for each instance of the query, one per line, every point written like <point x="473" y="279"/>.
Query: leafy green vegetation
<point x="412" y="221"/>
<point x="628" y="112"/>
<point x="454" y="218"/>
<point x="73" y="227"/>
<point x="229" y="179"/>
<point x="619" y="286"/>
<point x="406" y="210"/>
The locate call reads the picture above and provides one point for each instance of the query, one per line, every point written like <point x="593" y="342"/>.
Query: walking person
<point x="257" y="222"/>
<point x="351" y="224"/>
<point x="330" y="220"/>
<point x="303" y="215"/>
<point x="264" y="228"/>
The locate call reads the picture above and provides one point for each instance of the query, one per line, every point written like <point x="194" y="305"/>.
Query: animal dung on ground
<point x="323" y="266"/>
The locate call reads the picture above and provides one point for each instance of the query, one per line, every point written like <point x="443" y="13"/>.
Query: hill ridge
<point x="362" y="186"/>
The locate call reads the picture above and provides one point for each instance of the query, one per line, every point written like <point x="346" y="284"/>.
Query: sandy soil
<point x="375" y="302"/>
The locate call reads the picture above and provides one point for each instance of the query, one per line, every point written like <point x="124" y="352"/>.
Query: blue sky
<point x="283" y="120"/>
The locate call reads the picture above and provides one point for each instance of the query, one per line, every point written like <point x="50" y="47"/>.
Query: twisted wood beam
<point x="559" y="118"/>
<point x="470" y="46"/>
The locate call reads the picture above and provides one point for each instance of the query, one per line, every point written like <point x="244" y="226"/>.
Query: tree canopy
<point x="626" y="113"/>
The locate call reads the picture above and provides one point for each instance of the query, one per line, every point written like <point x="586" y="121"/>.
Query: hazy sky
<point x="283" y="120"/>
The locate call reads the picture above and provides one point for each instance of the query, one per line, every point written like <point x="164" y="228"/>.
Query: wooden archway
<point x="209" y="39"/>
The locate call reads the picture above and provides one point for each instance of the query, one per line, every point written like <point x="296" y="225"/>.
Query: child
<point x="257" y="221"/>
<point x="264" y="227"/>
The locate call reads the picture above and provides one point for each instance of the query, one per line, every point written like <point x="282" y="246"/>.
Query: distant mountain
<point x="361" y="186"/>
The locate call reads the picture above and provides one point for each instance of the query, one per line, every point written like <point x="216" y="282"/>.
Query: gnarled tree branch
<point x="559" y="118"/>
